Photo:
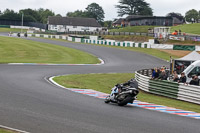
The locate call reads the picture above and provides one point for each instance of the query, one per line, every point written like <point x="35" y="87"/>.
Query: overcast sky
<point x="160" y="7"/>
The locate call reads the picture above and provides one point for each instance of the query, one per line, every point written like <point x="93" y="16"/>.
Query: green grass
<point x="187" y="28"/>
<point x="6" y="131"/>
<point x="15" y="50"/>
<point x="138" y="29"/>
<point x="104" y="83"/>
<point x="11" y="30"/>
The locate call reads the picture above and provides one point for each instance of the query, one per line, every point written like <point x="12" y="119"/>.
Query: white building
<point x="65" y="24"/>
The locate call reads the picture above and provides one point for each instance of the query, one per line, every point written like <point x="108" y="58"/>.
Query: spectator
<point x="157" y="73"/>
<point x="179" y="32"/>
<point x="153" y="73"/>
<point x="163" y="75"/>
<point x="195" y="80"/>
<point x="175" y="77"/>
<point x="182" y="78"/>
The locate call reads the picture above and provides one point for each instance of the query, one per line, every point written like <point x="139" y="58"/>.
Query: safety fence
<point x="166" y="88"/>
<point x="25" y="23"/>
<point x="93" y="40"/>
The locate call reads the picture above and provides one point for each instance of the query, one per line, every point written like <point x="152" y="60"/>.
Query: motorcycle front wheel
<point x="107" y="100"/>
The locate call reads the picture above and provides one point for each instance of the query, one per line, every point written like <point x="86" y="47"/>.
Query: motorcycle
<point x="122" y="94"/>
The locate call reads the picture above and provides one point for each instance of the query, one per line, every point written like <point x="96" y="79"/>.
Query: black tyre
<point x="124" y="102"/>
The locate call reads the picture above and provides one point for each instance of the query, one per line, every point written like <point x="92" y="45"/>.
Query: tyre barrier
<point x="189" y="93"/>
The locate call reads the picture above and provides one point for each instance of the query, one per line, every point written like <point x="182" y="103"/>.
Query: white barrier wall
<point x="46" y="36"/>
<point x="162" y="46"/>
<point x="64" y="37"/>
<point x="57" y="37"/>
<point x="77" y="39"/>
<point x="69" y="38"/>
<point x="37" y="35"/>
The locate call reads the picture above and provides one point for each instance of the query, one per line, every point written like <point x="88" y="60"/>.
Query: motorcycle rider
<point x="132" y="83"/>
<point x="118" y="88"/>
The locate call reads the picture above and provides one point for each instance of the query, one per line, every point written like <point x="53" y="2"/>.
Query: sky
<point x="160" y="7"/>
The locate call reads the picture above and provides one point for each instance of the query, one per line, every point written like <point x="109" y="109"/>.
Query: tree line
<point x="30" y="15"/>
<point x="94" y="10"/>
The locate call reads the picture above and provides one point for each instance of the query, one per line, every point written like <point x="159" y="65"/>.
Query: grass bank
<point x="128" y="38"/>
<point x="138" y="29"/>
<point x="15" y="50"/>
<point x="187" y="28"/>
<point x="104" y="83"/>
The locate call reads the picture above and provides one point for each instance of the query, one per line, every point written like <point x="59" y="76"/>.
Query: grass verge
<point x="6" y="131"/>
<point x="104" y="83"/>
<point x="15" y="50"/>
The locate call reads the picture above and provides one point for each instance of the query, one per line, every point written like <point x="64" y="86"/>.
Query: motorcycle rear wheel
<point x="124" y="102"/>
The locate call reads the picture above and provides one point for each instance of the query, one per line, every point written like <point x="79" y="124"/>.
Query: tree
<point x="58" y="15"/>
<point x="77" y="13"/>
<point x="44" y="14"/>
<point x="107" y="24"/>
<point x="177" y="15"/>
<point x="95" y="11"/>
<point x="33" y="15"/>
<point x="10" y="15"/>
<point x="134" y="7"/>
<point x="192" y="14"/>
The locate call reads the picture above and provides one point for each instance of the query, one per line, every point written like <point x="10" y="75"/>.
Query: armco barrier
<point x="189" y="93"/>
<point x="165" y="88"/>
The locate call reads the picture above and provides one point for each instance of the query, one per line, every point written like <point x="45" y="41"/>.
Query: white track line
<point x="13" y="129"/>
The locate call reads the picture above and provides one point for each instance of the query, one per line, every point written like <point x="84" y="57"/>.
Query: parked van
<point x="193" y="69"/>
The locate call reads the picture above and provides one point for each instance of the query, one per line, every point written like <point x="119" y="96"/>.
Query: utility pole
<point x="22" y="21"/>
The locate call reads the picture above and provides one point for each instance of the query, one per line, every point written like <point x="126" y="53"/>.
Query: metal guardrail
<point x="166" y="88"/>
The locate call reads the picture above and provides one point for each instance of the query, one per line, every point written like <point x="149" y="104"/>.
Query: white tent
<point x="182" y="63"/>
<point x="193" y="56"/>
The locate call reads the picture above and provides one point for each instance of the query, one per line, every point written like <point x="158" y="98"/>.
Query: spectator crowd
<point x="164" y="74"/>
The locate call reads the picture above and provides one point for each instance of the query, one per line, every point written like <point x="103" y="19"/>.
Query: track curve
<point x="28" y="102"/>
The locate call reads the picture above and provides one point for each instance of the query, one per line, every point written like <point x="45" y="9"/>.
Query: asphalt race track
<point x="28" y="102"/>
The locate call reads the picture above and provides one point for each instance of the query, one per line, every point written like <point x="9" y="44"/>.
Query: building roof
<point x="119" y="21"/>
<point x="177" y="21"/>
<point x="135" y="17"/>
<point x="76" y="21"/>
<point x="139" y="17"/>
